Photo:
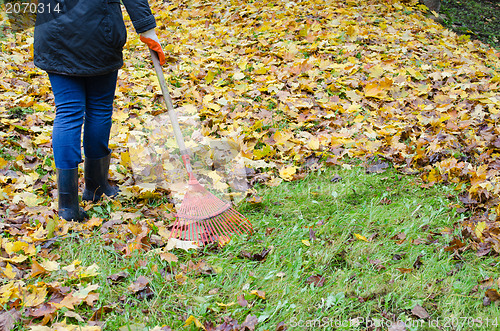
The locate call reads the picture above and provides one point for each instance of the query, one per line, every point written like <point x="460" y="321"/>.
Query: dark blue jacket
<point x="85" y="37"/>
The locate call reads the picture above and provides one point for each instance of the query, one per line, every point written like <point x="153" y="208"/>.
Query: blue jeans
<point x="81" y="101"/>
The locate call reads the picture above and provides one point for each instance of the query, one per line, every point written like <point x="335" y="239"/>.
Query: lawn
<point x="340" y="246"/>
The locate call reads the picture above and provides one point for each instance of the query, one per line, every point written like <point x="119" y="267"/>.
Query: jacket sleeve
<point x="140" y="14"/>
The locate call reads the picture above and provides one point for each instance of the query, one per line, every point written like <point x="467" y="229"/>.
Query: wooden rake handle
<point x="172" y="115"/>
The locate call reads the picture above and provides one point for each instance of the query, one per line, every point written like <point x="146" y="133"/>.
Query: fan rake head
<point x="204" y="218"/>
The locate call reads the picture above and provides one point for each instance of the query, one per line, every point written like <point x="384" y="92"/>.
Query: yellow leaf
<point x="50" y="265"/>
<point x="93" y="222"/>
<point x="495" y="79"/>
<point x="180" y="279"/>
<point x="287" y="172"/>
<point x="15" y="259"/>
<point x="223" y="240"/>
<point x="36" y="297"/>
<point x="415" y="74"/>
<point x="260" y="294"/>
<point x="41" y="139"/>
<point x="306" y="242"/>
<point x="125" y="159"/>
<point x="90" y="271"/>
<point x="210" y="77"/>
<point x="360" y="237"/>
<point x="72" y="267"/>
<point x="281" y="137"/>
<point x="191" y="319"/>
<point x="479" y="229"/>
<point x="378" y="89"/>
<point x="358" y="119"/>
<point x="313" y="143"/>
<point x="9" y="271"/>
<point x="220" y="304"/>
<point x="84" y="292"/>
<point x="261" y="71"/>
<point x="3" y="163"/>
<point x="14" y="247"/>
<point x="274" y="182"/>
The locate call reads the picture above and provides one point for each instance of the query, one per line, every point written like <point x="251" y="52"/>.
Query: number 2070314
<point x="30" y="8"/>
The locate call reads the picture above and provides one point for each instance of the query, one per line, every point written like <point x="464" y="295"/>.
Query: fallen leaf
<point x="182" y="244"/>
<point x="249" y="323"/>
<point x="241" y="300"/>
<point x="260" y="294"/>
<point x="8" y="319"/>
<point x="317" y="280"/>
<point x="492" y="294"/>
<point x="118" y="276"/>
<point x="74" y="315"/>
<point x="139" y="285"/>
<point x="191" y="319"/>
<point x="169" y="257"/>
<point x="255" y="256"/>
<point x="360" y="237"/>
<point x="420" y="312"/>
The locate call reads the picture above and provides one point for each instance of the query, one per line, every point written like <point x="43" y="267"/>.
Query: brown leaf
<point x="255" y="256"/>
<point x="418" y="262"/>
<point x="377" y="264"/>
<point x="242" y="301"/>
<point x="317" y="280"/>
<point x="281" y="326"/>
<point x="377" y="168"/>
<point x="487" y="283"/>
<point x="269" y="231"/>
<point x="8" y="319"/>
<point x="42" y="310"/>
<point x="385" y="201"/>
<point x="169" y="257"/>
<point x="139" y="285"/>
<point x="118" y="276"/>
<point x="249" y="323"/>
<point x="91" y="299"/>
<point x="37" y="269"/>
<point x="493" y="295"/>
<point x="420" y="312"/>
<point x="312" y="235"/>
<point x="454" y="245"/>
<point x="405" y="270"/>
<point x="98" y="314"/>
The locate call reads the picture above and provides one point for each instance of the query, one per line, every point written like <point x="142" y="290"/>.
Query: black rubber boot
<point x="96" y="179"/>
<point x="67" y="185"/>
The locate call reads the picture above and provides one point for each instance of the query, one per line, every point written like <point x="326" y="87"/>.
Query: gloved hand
<point x="151" y="39"/>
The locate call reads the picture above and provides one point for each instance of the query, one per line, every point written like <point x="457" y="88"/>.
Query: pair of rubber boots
<point x="96" y="184"/>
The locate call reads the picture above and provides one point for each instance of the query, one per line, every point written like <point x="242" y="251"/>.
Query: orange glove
<point x="151" y="39"/>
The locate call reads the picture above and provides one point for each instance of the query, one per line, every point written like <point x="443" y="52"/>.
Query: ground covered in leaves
<point x="267" y="90"/>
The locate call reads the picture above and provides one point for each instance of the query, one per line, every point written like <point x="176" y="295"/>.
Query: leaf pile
<point x="286" y="85"/>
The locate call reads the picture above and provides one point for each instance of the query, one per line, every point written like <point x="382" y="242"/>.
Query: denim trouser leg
<point x="80" y="99"/>
<point x="100" y="95"/>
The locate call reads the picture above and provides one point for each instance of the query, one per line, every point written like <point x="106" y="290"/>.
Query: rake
<point x="201" y="217"/>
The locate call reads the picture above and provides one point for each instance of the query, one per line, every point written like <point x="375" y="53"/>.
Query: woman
<point x="79" y="43"/>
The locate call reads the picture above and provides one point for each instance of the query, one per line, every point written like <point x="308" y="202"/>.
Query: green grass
<point x="376" y="206"/>
<point x="477" y="18"/>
